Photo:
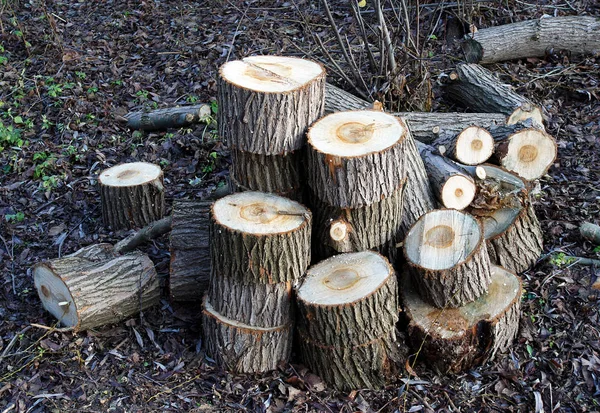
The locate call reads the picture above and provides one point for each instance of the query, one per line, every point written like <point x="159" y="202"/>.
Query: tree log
<point x="260" y="238"/>
<point x="132" y="195"/>
<point x="448" y="259"/>
<point x="161" y="119"/>
<point x="590" y="231"/>
<point x="348" y="300"/>
<point x="535" y="38"/>
<point x="471" y="146"/>
<point x="452" y="185"/>
<point x="258" y="305"/>
<point x="476" y="88"/>
<point x="376" y="226"/>
<point x="457" y="339"/>
<point x="93" y="287"/>
<point x="266" y="103"/>
<point x="242" y="348"/>
<point x="189" y="274"/>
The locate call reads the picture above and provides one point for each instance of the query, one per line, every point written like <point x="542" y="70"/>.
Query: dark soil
<point x="69" y="69"/>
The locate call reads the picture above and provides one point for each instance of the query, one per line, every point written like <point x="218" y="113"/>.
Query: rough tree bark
<point x="161" y="119"/>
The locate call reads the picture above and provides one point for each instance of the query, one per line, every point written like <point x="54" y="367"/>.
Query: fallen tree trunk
<point x="160" y="119"/>
<point x="474" y="87"/>
<point x="590" y="231"/>
<point x="535" y="38"/>
<point x="95" y="286"/>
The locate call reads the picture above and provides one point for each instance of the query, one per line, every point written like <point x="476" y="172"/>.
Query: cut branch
<point x="161" y="119"/>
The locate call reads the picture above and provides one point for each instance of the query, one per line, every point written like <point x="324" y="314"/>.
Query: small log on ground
<point x="279" y="174"/>
<point x="161" y="119"/>
<point x="472" y="146"/>
<point x="266" y="103"/>
<point x="242" y="348"/>
<point x="457" y="339"/>
<point x="375" y="226"/>
<point x="348" y="300"/>
<point x="424" y="126"/>
<point x="132" y="195"/>
<point x="535" y="38"/>
<point x="258" y="305"/>
<point x="260" y="238"/>
<point x="452" y="185"/>
<point x="447" y="255"/>
<point x="524" y="148"/>
<point x="94" y="287"/>
<point x="511" y="229"/>
<point x="590" y="231"/>
<point x="476" y="88"/>
<point x="189" y="274"/>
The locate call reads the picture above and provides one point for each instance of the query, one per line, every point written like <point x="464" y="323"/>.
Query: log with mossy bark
<point x="266" y="103"/>
<point x="447" y="257"/>
<point x="576" y="35"/>
<point x="474" y="87"/>
<point x="175" y="117"/>
<point x="95" y="286"/>
<point x="453" y="340"/>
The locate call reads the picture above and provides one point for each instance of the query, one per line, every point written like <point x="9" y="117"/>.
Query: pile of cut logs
<point x="378" y="246"/>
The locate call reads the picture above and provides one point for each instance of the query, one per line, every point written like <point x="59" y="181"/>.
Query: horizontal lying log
<point x="474" y="87"/>
<point x="161" y="119"/>
<point x="590" y="231"/>
<point x="534" y="38"/>
<point x="471" y="146"/>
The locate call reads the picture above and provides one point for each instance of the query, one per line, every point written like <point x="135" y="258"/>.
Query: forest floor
<point x="68" y="69"/>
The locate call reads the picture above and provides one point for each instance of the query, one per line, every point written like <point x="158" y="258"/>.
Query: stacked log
<point x="266" y="104"/>
<point x="260" y="246"/>
<point x="367" y="181"/>
<point x="348" y="308"/>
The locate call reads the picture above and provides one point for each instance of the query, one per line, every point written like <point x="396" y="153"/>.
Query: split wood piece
<point x="535" y="38"/>
<point x="453" y="340"/>
<point x="258" y="305"/>
<point x="161" y="119"/>
<point x="242" y="348"/>
<point x="348" y="300"/>
<point x="476" y="88"/>
<point x="266" y="103"/>
<point x="375" y="226"/>
<point x="132" y="195"/>
<point x="448" y="258"/>
<point x="472" y="146"/>
<point x="524" y="148"/>
<point x="452" y="185"/>
<point x="279" y="174"/>
<point x="511" y="229"/>
<point x="260" y="238"/>
<point x="86" y="293"/>
<point x="190" y="250"/>
<point x="590" y="231"/>
<point x="424" y="126"/>
<point x="369" y="365"/>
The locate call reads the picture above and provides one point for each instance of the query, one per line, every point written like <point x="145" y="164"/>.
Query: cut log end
<point x="458" y="192"/>
<point x="524" y="112"/>
<point x="271" y="74"/>
<point x="130" y="174"/>
<point x="339" y="230"/>
<point x="530" y="153"/>
<point x="474" y="145"/>
<point x="55" y="296"/>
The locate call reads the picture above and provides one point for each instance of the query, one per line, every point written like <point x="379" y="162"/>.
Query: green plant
<point x="142" y="95"/>
<point x="214" y="107"/>
<point x="192" y="99"/>
<point x="80" y="75"/>
<point x="597" y="249"/>
<point x="10" y="137"/>
<point x="50" y="182"/>
<point x="561" y="259"/>
<point x="46" y="124"/>
<point x="17" y="217"/>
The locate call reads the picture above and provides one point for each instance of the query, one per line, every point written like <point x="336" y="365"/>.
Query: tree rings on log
<point x="132" y="195"/>
<point x="190" y="250"/>
<point x="242" y="348"/>
<point x="260" y="238"/>
<point x="448" y="258"/>
<point x="85" y="293"/>
<point x="472" y="146"/>
<point x="266" y="103"/>
<point x="348" y="299"/>
<point x="457" y="339"/>
<point x="375" y="226"/>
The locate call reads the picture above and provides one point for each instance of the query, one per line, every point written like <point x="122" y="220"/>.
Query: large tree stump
<point x="476" y="88"/>
<point x="457" y="339"/>
<point x="94" y="286"/>
<point x="260" y="238"/>
<point x="447" y="255"/>
<point x="375" y="226"/>
<point x="190" y="250"/>
<point x="266" y="103"/>
<point x="132" y="195"/>
<point x="452" y="185"/>
<point x="471" y="146"/>
<point x="348" y="300"/>
<point x="242" y="348"/>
